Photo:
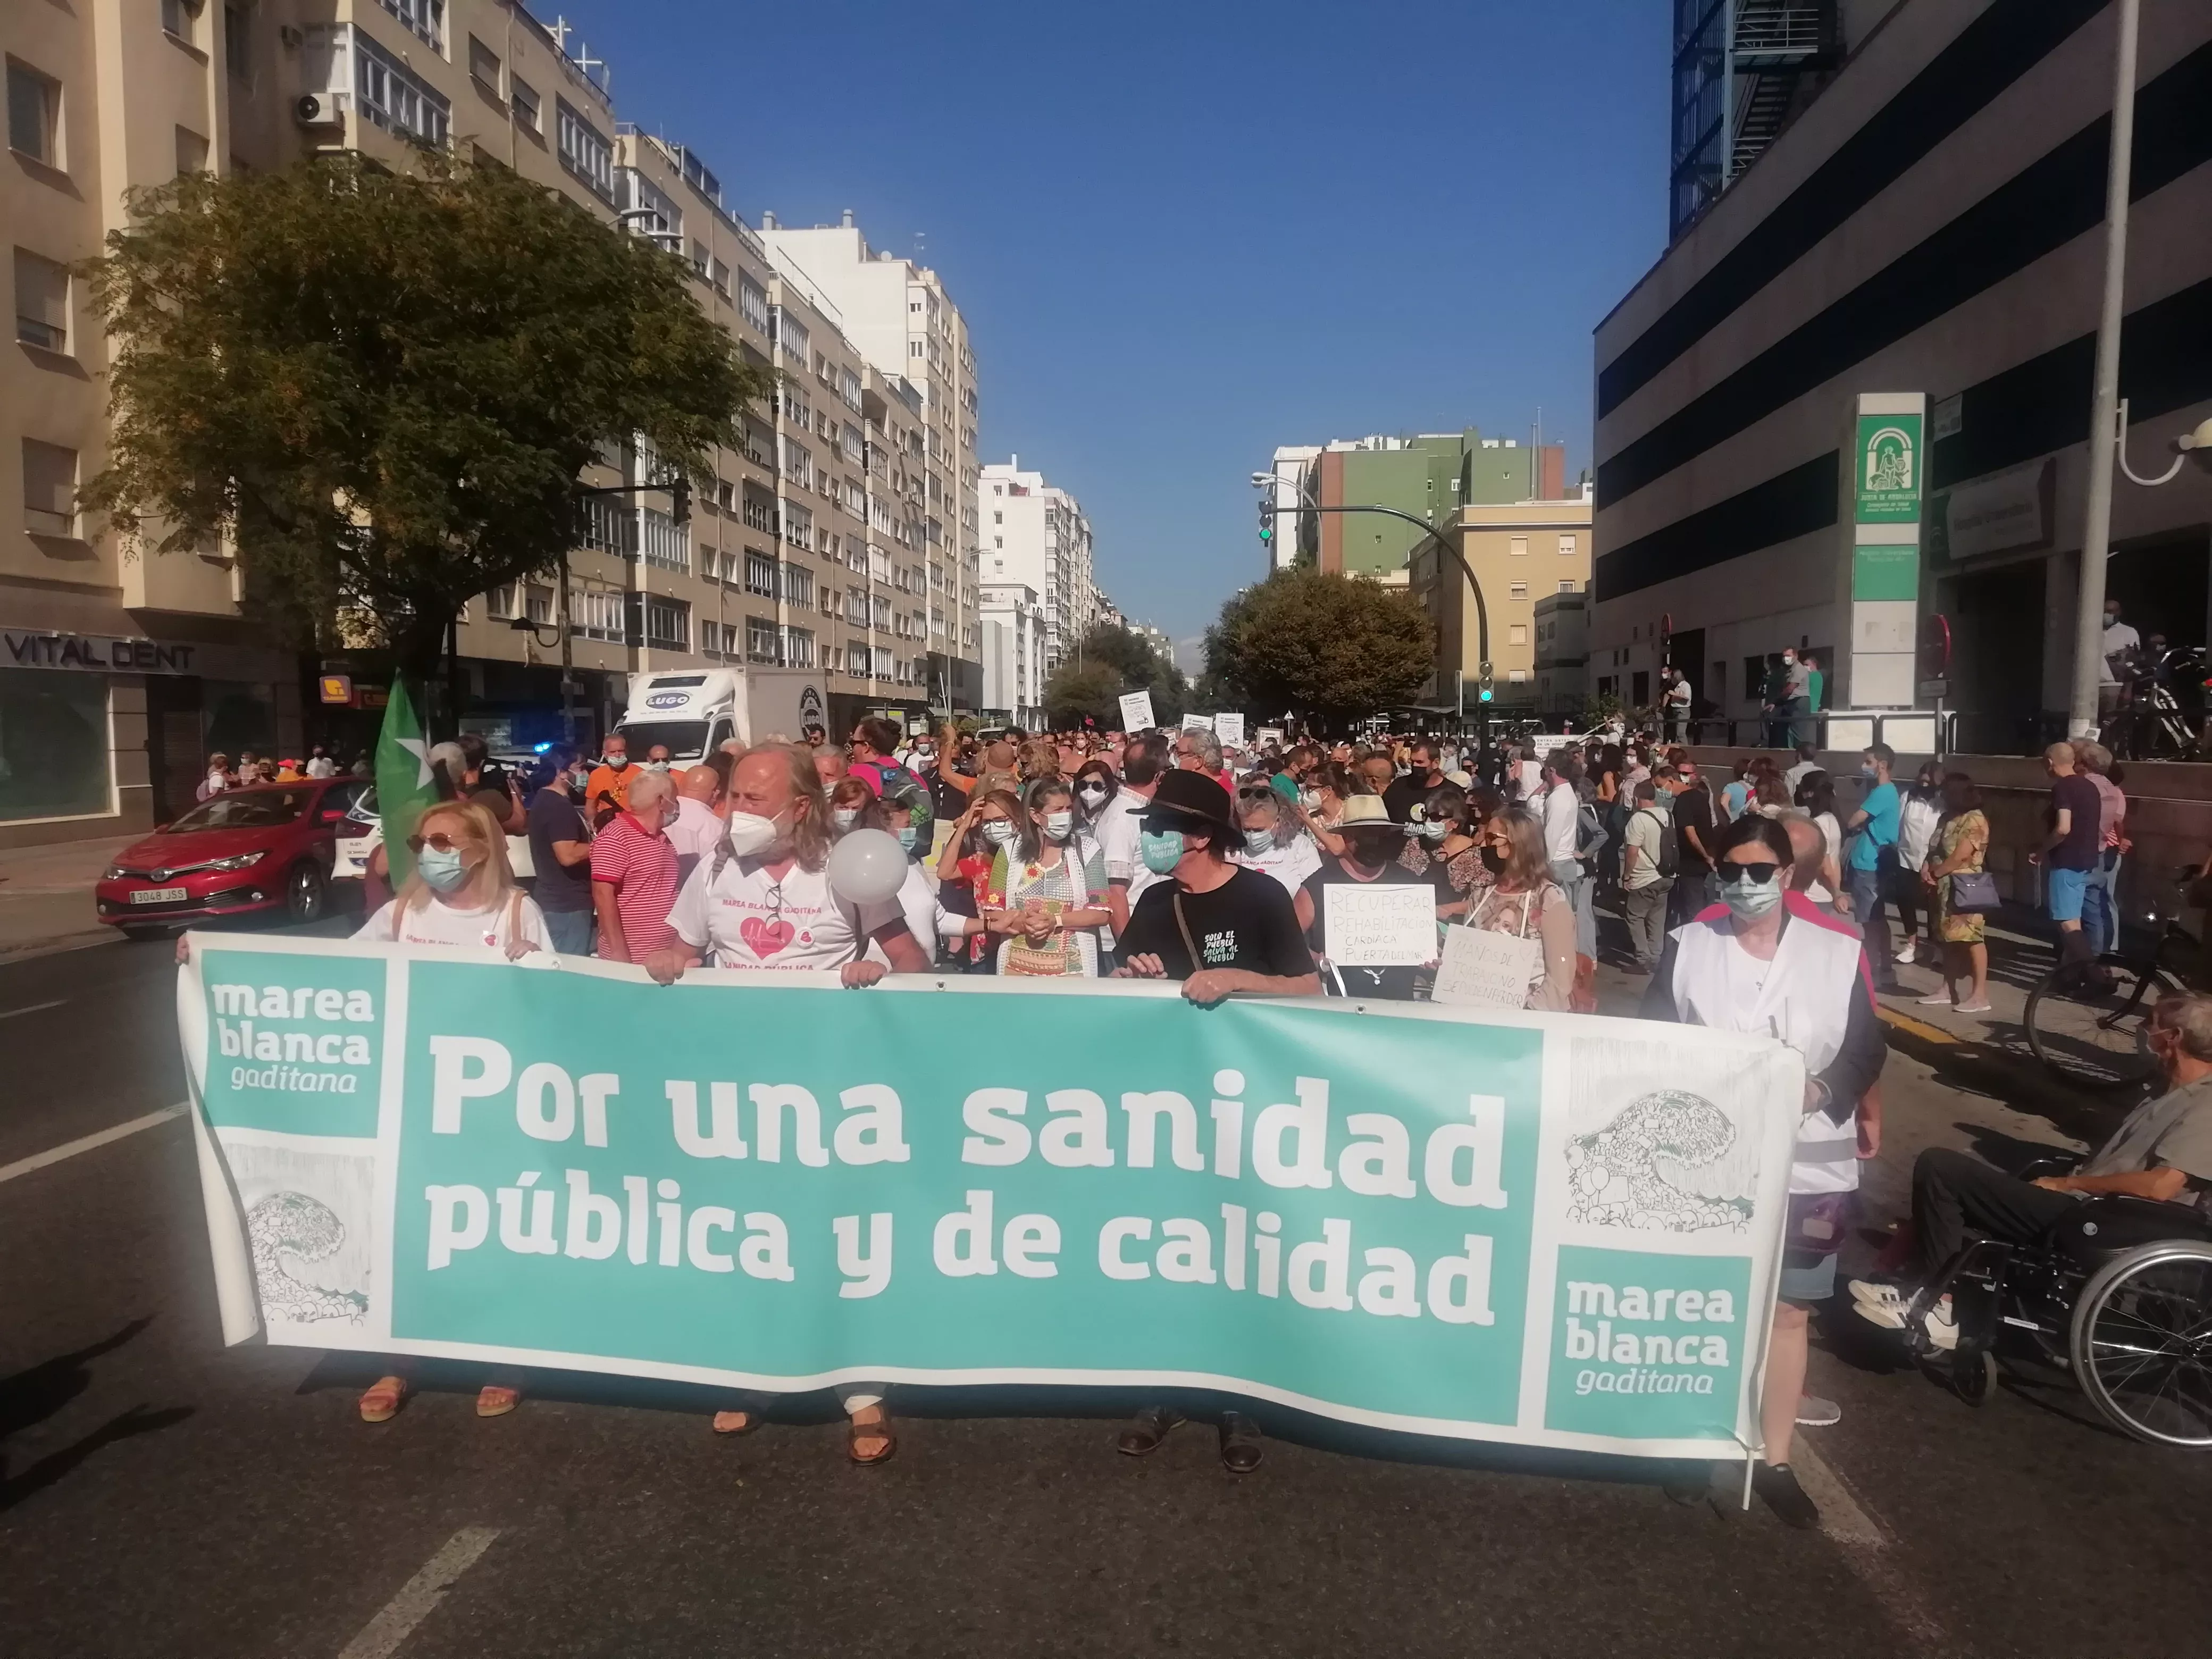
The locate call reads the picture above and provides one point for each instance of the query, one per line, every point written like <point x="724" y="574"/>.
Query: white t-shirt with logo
<point x="440" y="923"/>
<point x="746" y="918"/>
<point x="1290" y="864"/>
<point x="1116" y="830"/>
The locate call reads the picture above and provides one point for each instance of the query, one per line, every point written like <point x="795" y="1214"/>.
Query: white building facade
<point x="1036" y="533"/>
<point x="1013" y="635"/>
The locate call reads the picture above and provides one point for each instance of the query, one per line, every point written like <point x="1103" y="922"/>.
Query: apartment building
<point x="1035" y="532"/>
<point x="1929" y="228"/>
<point x="812" y="545"/>
<point x="1522" y="553"/>
<point x="1014" y="670"/>
<point x="899" y="316"/>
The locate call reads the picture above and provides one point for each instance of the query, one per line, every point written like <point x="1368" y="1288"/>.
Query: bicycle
<point x="2152" y="724"/>
<point x="2090" y="1026"/>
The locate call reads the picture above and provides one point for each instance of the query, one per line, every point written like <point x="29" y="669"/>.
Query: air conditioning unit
<point x="318" y="109"/>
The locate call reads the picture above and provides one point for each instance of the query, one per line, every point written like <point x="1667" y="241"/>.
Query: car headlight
<point x="114" y="872"/>
<point x="238" y="863"/>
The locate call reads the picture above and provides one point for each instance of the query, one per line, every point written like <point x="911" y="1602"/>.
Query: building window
<point x="798" y="526"/>
<point x="191" y="152"/>
<point x="425" y="21"/>
<point x="763" y="643"/>
<point x="42" y="295"/>
<point x="49" y="488"/>
<point x="760" y="574"/>
<point x="608" y="525"/>
<point x="55" y="744"/>
<point x="585" y="151"/>
<point x="1518" y="634"/>
<point x="483" y="66"/>
<point x="665" y="544"/>
<point x="393" y="98"/>
<point x="799" y="647"/>
<point x="179" y="18"/>
<point x="1520" y="547"/>
<point x="522" y="99"/>
<point x="667" y="622"/>
<point x="758" y="515"/>
<point x="1566" y="585"/>
<point x="34" y="114"/>
<point x="791" y="335"/>
<point x="798" y="585"/>
<point x="1516" y="674"/>
<point x="597" y="613"/>
<point x="504" y="604"/>
<point x="237" y="56"/>
<point x="1518" y="591"/>
<point x="1567" y="546"/>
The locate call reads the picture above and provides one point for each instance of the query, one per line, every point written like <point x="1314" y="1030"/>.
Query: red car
<point x="263" y="849"/>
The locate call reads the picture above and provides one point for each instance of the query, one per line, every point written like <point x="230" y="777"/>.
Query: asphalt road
<point x="163" y="1496"/>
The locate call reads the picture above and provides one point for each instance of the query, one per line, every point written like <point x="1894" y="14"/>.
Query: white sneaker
<point x="1906" y="955"/>
<point x="1880" y="1303"/>
<point x="1815" y="1412"/>
<point x="1940" y="999"/>
<point x="1941" y="1325"/>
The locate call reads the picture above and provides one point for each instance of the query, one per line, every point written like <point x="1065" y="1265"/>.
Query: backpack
<point x="1670" y="852"/>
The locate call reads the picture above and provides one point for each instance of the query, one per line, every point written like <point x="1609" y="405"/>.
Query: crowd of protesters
<point x="1754" y="899"/>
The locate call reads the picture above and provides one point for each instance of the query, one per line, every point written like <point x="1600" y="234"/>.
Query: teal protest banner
<point x="1544" y="1228"/>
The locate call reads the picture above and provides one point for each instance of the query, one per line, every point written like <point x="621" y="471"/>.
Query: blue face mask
<point x="444" y="871"/>
<point x="1868" y="772"/>
<point x="1161" y="851"/>
<point x="905" y="838"/>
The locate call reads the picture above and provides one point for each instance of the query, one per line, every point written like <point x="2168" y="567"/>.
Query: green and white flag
<point x="404" y="784"/>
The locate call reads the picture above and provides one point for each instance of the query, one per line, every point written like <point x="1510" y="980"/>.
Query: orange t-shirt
<point x="606" y="782"/>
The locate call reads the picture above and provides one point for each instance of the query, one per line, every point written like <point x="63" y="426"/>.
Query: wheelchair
<point x="2117" y="1292"/>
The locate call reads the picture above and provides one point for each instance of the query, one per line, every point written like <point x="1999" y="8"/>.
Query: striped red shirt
<point x="642" y="869"/>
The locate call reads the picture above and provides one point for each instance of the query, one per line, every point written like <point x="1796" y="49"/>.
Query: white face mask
<point x="750" y="833"/>
<point x="1090" y="795"/>
<point x="999" y="833"/>
<point x="845" y="817"/>
<point x="1059" y="826"/>
<point x="1748" y="901"/>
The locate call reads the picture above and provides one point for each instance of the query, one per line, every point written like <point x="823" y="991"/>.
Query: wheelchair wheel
<point x="2096" y="1039"/>
<point x="2141" y="1342"/>
<point x="1974" y="1377"/>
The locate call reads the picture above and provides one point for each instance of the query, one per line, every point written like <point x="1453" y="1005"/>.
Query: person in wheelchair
<point x="2162" y="1151"/>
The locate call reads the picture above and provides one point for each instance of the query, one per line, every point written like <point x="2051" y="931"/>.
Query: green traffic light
<point x="1487" y="693"/>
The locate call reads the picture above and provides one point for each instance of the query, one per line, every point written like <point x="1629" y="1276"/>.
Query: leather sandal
<point x="380" y="1402"/>
<point x="856" y="1431"/>
<point x="493" y="1400"/>
<point x="1242" y="1444"/>
<point x="1145" y="1431"/>
<point x="742" y="1422"/>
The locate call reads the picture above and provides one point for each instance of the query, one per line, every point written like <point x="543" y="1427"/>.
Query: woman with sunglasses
<point x="1767" y="962"/>
<point x="1274" y="842"/>
<point x="1446" y="846"/>
<point x="462" y="890"/>
<point x="1095" y="786"/>
<point x="1523" y="900"/>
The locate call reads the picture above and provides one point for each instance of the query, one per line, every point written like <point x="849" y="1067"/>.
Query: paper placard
<point x="1230" y="728"/>
<point x="1390" y="924"/>
<point x="1270" y="734"/>
<point x="1483" y="970"/>
<point x="1198" y="722"/>
<point x="1136" y="711"/>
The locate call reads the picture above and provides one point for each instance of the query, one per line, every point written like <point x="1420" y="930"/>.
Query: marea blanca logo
<point x="243" y="1029"/>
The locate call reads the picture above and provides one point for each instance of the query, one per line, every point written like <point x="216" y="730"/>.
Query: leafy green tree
<point x="381" y="387"/>
<point x="1107" y="662"/>
<point x="1330" y="647"/>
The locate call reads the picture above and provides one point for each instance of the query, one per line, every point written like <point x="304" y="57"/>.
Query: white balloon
<point x="868" y="866"/>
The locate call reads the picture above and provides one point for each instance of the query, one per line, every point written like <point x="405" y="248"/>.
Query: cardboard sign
<point x="1270" y="734"/>
<point x="1230" y="728"/>
<point x="1483" y="970"/>
<point x="1198" y="722"/>
<point x="1136" y="710"/>
<point x="1390" y="924"/>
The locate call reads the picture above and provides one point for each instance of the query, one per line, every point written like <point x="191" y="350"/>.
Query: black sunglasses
<point x="1758" y="873"/>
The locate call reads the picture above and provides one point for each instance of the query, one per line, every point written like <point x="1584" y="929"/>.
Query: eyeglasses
<point x="439" y="840"/>
<point x="1756" y="873"/>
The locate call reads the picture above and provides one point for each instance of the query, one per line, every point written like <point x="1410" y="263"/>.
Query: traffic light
<point x="679" y="498"/>
<point x="1489" y="692"/>
<point x="1266" y="524"/>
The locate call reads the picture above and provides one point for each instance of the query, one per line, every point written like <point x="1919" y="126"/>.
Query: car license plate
<point x="160" y="895"/>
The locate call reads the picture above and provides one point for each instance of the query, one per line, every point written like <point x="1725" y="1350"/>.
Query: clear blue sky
<point x="1185" y="234"/>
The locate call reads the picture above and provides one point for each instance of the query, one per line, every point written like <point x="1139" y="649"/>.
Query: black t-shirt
<point x="562" y="888"/>
<point x="1404" y="794"/>
<point x="1694" y="810"/>
<point x="1246" y="922"/>
<point x="2085" y="832"/>
<point x="1393" y="983"/>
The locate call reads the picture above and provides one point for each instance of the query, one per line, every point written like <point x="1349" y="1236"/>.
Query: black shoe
<point x="1241" y="1445"/>
<point x="1778" y="1484"/>
<point x="1688" y="1486"/>
<point x="1145" y="1431"/>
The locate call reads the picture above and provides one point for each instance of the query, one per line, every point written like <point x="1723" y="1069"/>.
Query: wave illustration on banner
<point x="1616" y="1174"/>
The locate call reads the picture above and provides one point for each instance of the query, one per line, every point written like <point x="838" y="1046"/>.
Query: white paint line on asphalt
<point x="35" y="1008"/>
<point x="419" y="1596"/>
<point x="23" y="1166"/>
<point x="1865" y="1546"/>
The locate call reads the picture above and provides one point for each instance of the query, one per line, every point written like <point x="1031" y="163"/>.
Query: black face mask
<point x="1493" y="860"/>
<point x="1375" y="849"/>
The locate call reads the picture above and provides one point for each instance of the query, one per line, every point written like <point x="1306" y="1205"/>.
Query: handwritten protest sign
<point x="1136" y="711"/>
<point x="1483" y="969"/>
<point x="1390" y="924"/>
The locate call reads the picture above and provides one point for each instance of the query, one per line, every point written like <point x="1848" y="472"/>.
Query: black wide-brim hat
<point x="1194" y="795"/>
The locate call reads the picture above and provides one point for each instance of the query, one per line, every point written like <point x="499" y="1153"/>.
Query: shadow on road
<point x="32" y="1396"/>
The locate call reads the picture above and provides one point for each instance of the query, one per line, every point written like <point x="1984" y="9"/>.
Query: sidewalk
<point x="45" y="894"/>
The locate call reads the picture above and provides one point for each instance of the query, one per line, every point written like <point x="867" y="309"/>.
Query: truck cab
<point x="693" y="711"/>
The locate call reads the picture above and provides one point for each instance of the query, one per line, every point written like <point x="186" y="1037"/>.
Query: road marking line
<point x="1865" y="1547"/>
<point x="419" y="1596"/>
<point x="23" y="1166"/>
<point x="1919" y="1028"/>
<point x="35" y="1008"/>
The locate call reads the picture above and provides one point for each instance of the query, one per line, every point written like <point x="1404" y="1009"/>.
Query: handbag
<point x="1974" y="893"/>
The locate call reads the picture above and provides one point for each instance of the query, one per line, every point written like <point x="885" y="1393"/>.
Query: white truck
<point x="694" y="711"/>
